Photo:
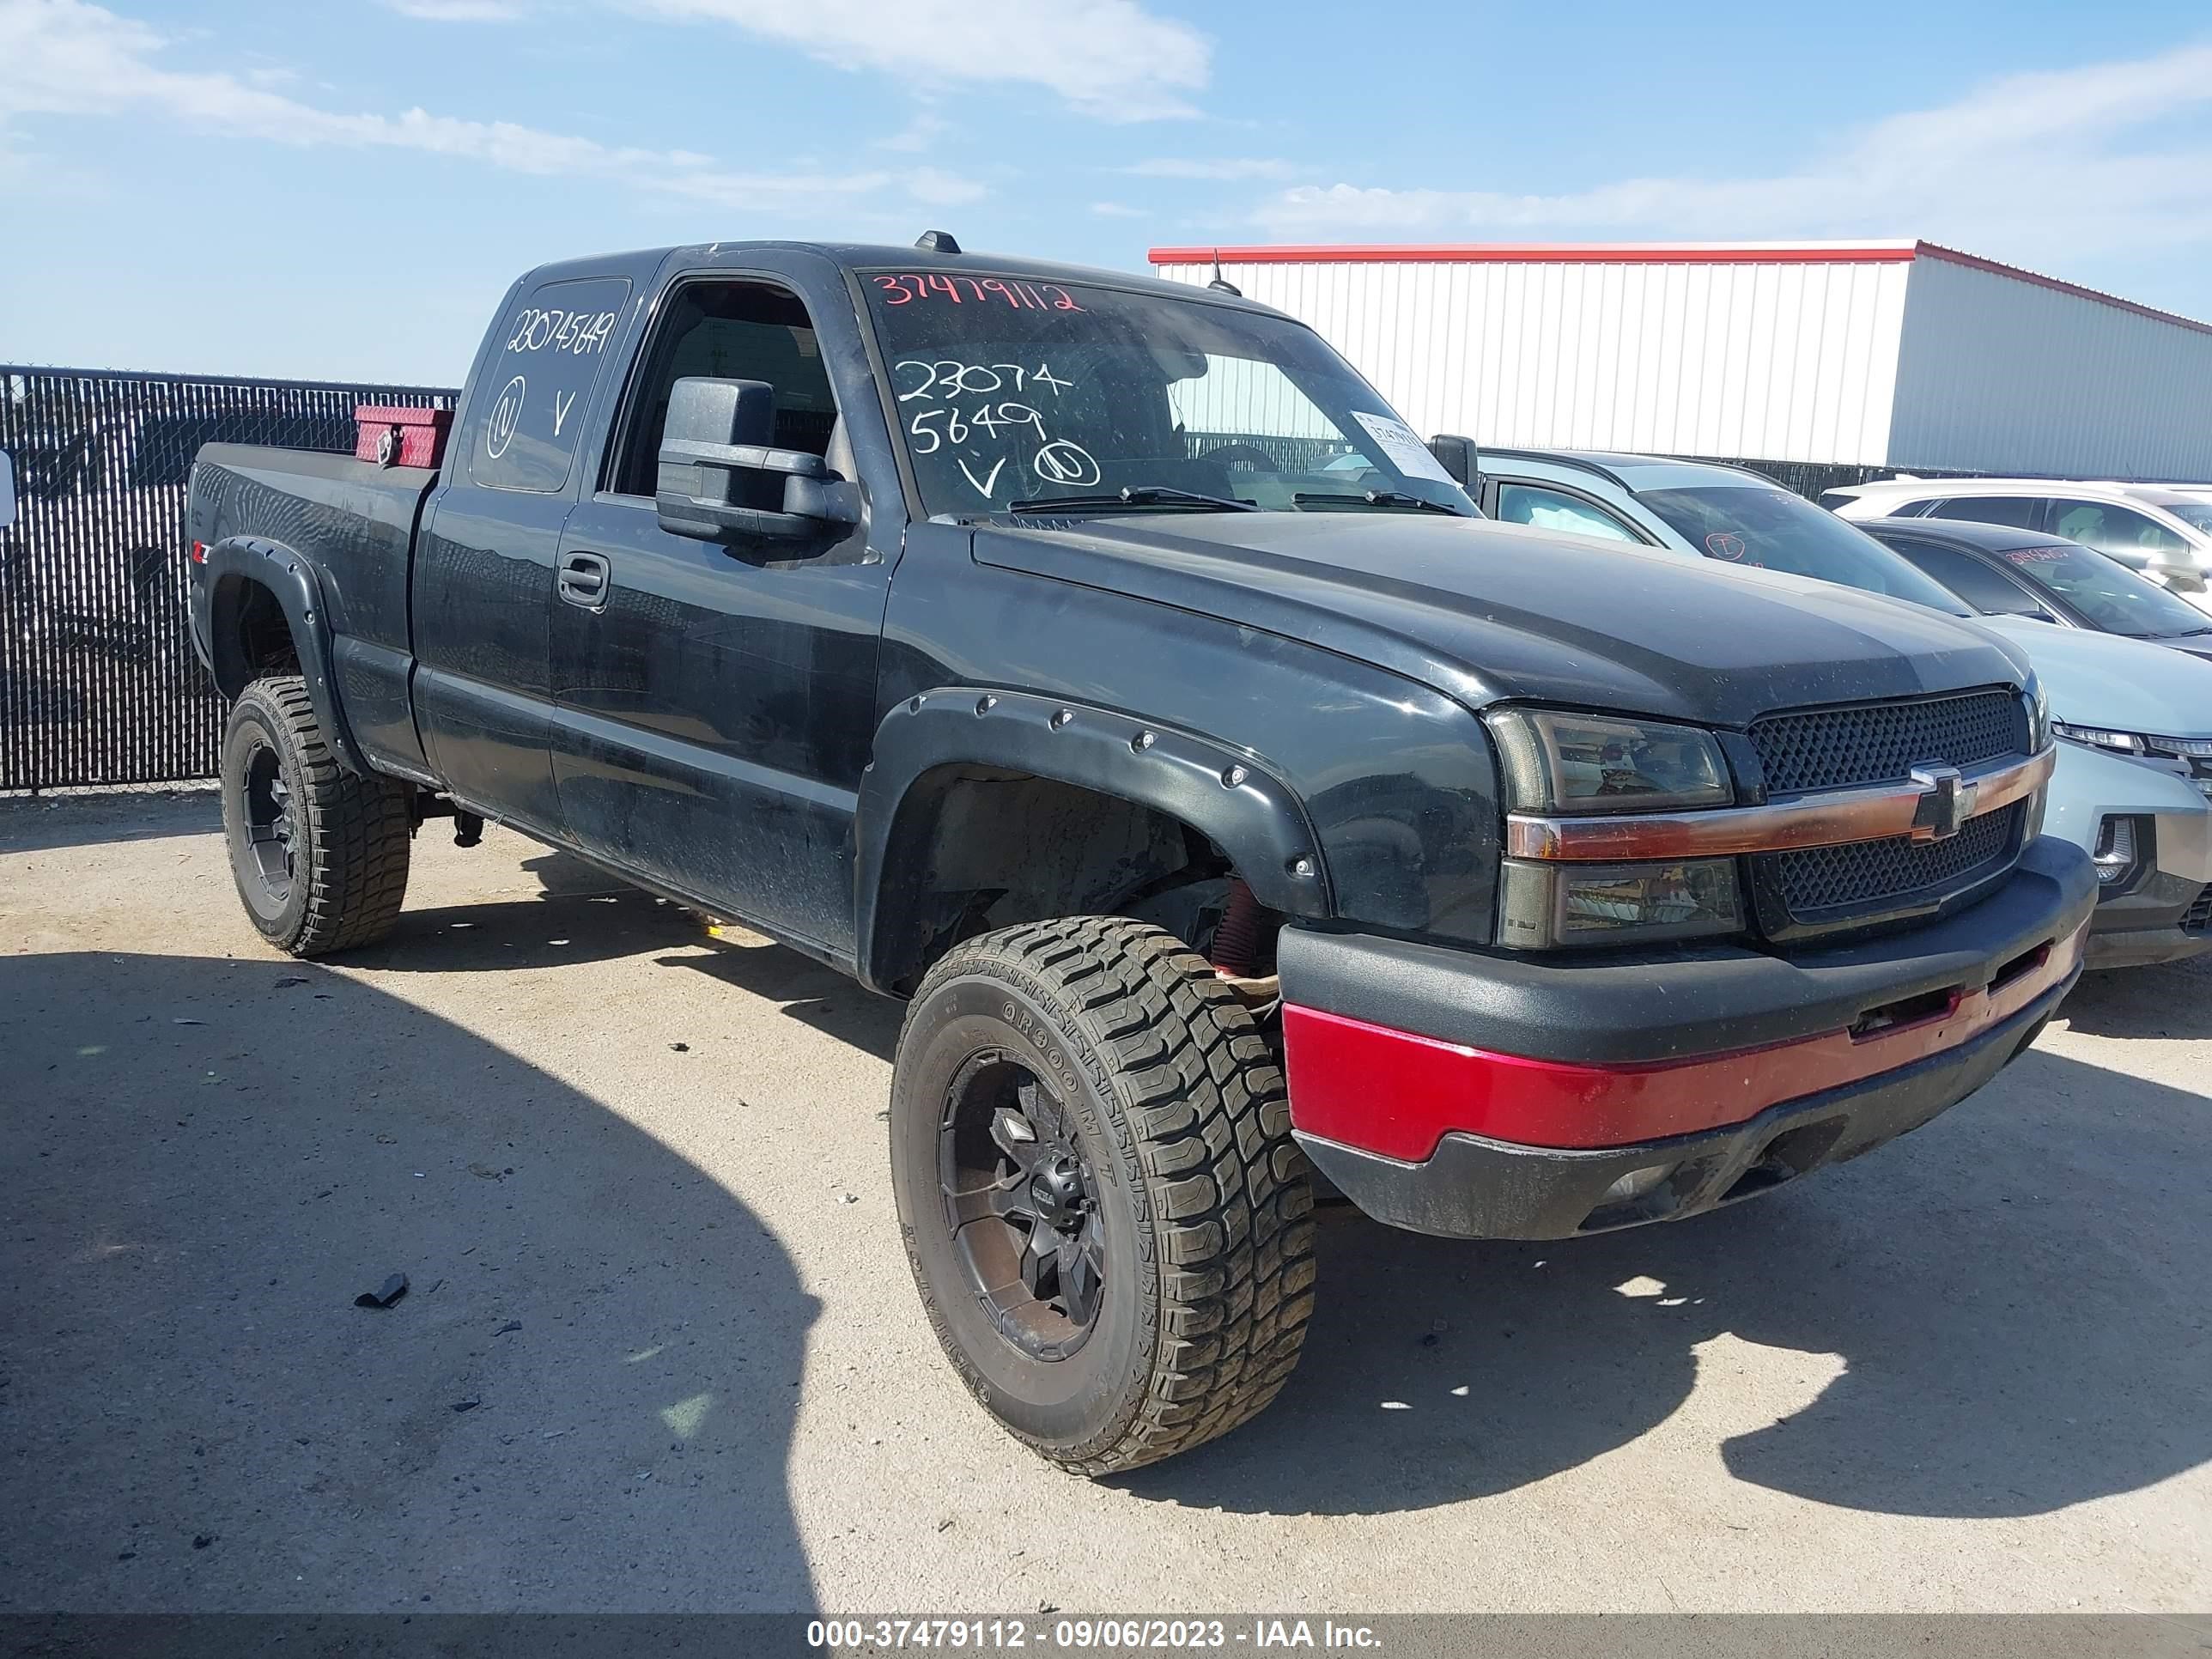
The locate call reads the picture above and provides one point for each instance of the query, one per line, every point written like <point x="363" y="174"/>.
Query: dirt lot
<point x="661" y="1351"/>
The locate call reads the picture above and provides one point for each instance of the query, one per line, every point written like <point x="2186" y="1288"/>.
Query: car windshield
<point x="2109" y="594"/>
<point x="1010" y="390"/>
<point x="2197" y="515"/>
<point x="1774" y="530"/>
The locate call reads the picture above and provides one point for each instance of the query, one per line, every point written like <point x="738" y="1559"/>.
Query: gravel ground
<point x="660" y="1351"/>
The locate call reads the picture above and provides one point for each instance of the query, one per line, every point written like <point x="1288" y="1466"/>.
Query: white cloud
<point x="938" y="188"/>
<point x="68" y="58"/>
<point x="459" y="11"/>
<point x="1117" y="210"/>
<point x="1110" y="59"/>
<point x="2049" y="166"/>
<point x="1182" y="167"/>
<point x="917" y="135"/>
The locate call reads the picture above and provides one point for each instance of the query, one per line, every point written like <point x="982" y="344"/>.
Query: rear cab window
<point x="534" y="398"/>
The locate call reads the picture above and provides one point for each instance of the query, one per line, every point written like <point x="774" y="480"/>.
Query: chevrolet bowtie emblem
<point x="1946" y="801"/>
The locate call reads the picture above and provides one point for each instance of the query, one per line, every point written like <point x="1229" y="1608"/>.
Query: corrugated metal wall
<point x="1786" y="361"/>
<point x="2001" y="375"/>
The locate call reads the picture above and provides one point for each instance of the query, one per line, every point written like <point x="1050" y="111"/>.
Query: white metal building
<point x="1898" y="355"/>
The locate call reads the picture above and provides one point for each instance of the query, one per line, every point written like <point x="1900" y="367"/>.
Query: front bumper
<point x="1505" y="1098"/>
<point x="2148" y="920"/>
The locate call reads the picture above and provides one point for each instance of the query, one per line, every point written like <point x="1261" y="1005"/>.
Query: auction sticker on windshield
<point x="1403" y="447"/>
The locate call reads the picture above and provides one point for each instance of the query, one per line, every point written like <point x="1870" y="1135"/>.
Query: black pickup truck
<point x="1100" y="665"/>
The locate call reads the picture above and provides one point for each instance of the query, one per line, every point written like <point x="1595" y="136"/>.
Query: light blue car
<point x="2135" y="761"/>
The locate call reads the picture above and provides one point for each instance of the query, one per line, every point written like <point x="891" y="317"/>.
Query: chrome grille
<point x="1875" y="742"/>
<point x="1863" y="874"/>
<point x="1826" y="888"/>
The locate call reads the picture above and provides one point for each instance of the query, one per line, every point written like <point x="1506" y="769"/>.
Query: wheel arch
<point x="934" y="751"/>
<point x="253" y="584"/>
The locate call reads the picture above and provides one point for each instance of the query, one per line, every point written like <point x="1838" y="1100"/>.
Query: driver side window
<point x="730" y="331"/>
<point x="1555" y="509"/>
<point x="2117" y="530"/>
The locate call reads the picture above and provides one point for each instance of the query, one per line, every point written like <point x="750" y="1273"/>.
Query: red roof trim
<point x="1647" y="253"/>
<point x="1569" y="253"/>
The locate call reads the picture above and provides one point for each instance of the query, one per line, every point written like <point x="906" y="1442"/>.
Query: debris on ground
<point x="511" y="1325"/>
<point x="384" y="1295"/>
<point x="468" y="1405"/>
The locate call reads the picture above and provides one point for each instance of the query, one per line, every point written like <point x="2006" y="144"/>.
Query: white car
<point x="2131" y="787"/>
<point x="2164" y="530"/>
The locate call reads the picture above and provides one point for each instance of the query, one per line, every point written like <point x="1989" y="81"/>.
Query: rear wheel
<point x="1101" y="1201"/>
<point x="320" y="854"/>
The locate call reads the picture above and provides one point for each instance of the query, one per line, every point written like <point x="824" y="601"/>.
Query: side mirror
<point x="7" y="490"/>
<point x="1456" y="456"/>
<point x="720" y="480"/>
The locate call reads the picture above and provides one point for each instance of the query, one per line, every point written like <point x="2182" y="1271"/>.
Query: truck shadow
<point x="34" y="824"/>
<point x="579" y="914"/>
<point x="2001" y="1315"/>
<point x="585" y="1396"/>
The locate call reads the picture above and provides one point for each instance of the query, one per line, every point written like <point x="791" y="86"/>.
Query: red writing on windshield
<point x="907" y="288"/>
<point x="2036" y="555"/>
<point x="1724" y="544"/>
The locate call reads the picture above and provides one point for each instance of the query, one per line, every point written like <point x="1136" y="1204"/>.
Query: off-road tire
<point x="351" y="833"/>
<point x="1204" y="1202"/>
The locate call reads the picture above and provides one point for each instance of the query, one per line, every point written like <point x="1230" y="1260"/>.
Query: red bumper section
<point x="1398" y="1094"/>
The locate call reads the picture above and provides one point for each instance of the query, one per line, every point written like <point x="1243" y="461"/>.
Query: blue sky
<point x="343" y="188"/>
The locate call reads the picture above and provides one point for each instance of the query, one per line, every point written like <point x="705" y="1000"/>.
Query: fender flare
<point x="238" y="562"/>
<point x="1224" y="792"/>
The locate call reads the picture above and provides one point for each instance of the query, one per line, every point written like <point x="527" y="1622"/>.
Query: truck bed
<point x="359" y="518"/>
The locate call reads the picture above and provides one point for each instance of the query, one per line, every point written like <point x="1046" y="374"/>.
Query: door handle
<point x="583" y="581"/>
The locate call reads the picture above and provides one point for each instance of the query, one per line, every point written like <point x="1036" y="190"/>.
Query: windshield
<point x="1013" y="390"/>
<point x="2197" y="515"/>
<point x="1747" y="524"/>
<point x="2110" y="595"/>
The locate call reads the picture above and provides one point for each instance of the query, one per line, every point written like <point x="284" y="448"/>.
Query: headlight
<point x="2120" y="743"/>
<point x="2038" y="715"/>
<point x="1562" y="763"/>
<point x="1567" y="765"/>
<point x="1544" y="906"/>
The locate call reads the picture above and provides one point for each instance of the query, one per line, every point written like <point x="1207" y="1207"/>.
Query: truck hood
<point x="1486" y="612"/>
<point x="2110" y="681"/>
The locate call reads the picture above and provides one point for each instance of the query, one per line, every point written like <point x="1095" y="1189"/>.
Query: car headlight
<point x="2186" y="757"/>
<point x="2096" y="737"/>
<point x="1562" y="764"/>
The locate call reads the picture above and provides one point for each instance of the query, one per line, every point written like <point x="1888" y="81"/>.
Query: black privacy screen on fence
<point x="99" y="683"/>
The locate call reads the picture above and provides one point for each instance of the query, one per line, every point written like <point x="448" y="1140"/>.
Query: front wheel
<point x="319" y="854"/>
<point x="1105" y="1211"/>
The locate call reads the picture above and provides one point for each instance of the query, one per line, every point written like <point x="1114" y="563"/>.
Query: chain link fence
<point x="99" y="683"/>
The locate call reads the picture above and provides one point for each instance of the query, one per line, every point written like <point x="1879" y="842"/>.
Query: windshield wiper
<point x="1132" y="495"/>
<point x="1380" y="498"/>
